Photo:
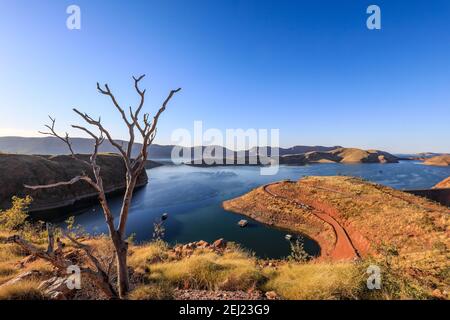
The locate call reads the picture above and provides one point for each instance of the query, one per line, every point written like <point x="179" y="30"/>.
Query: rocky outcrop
<point x="188" y="249"/>
<point x="443" y="160"/>
<point x="57" y="288"/>
<point x="19" y="170"/>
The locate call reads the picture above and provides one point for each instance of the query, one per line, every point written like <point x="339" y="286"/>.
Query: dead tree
<point x="146" y="129"/>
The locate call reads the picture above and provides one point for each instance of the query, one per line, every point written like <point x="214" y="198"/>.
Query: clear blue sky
<point x="310" y="68"/>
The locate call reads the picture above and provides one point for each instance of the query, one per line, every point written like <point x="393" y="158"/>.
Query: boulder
<point x="272" y="295"/>
<point x="219" y="243"/>
<point x="202" y="244"/>
<point x="56" y="288"/>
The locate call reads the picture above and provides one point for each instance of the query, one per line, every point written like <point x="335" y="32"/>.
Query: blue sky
<point x="310" y="68"/>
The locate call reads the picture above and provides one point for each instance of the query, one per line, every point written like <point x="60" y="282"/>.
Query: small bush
<point x="298" y="252"/>
<point x="15" y="218"/>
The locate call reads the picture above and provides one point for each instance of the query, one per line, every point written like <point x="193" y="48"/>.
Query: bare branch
<point x="98" y="124"/>
<point x="108" y="92"/>
<point x="141" y="94"/>
<point x="64" y="183"/>
<point x="53" y="133"/>
<point x="160" y="111"/>
<point x="87" y="249"/>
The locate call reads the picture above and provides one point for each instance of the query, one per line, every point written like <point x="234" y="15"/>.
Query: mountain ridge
<point x="53" y="146"/>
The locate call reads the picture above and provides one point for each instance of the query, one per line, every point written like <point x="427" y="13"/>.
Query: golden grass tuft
<point x="329" y="281"/>
<point x="23" y="290"/>
<point x="144" y="254"/>
<point x="157" y="291"/>
<point x="208" y="270"/>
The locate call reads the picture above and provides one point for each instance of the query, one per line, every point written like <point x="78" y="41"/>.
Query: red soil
<point x="344" y="248"/>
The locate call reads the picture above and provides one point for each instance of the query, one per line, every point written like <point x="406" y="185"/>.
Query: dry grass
<point x="24" y="290"/>
<point x="141" y="256"/>
<point x="157" y="291"/>
<point x="315" y="281"/>
<point x="209" y="271"/>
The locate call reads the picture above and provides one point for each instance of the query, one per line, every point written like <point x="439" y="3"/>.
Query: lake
<point x="192" y="197"/>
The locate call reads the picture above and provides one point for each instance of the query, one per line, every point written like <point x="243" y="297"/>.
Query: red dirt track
<point x="343" y="248"/>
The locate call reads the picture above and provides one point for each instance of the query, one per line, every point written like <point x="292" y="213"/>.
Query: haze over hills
<point x="53" y="146"/>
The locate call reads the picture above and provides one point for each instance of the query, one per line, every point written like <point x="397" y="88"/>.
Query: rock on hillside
<point x="340" y="155"/>
<point x="443" y="160"/>
<point x="443" y="184"/>
<point x="17" y="170"/>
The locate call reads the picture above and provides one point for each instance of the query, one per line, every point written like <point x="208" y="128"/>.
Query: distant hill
<point x="53" y="146"/>
<point x="340" y="155"/>
<point x="443" y="160"/>
<point x="427" y="155"/>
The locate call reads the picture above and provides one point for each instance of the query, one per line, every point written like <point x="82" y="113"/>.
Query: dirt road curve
<point x="343" y="249"/>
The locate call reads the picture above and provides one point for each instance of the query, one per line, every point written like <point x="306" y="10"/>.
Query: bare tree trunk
<point x="99" y="277"/>
<point x="51" y="238"/>
<point x="122" y="270"/>
<point x="134" y="167"/>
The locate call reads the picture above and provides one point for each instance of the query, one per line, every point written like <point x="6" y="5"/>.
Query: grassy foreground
<point x="158" y="273"/>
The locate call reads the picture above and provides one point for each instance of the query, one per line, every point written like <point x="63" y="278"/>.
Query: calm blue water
<point x="193" y="196"/>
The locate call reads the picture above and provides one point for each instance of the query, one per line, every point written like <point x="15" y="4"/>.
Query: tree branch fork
<point x="134" y="166"/>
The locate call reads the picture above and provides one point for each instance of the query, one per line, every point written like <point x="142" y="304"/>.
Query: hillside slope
<point x="443" y="160"/>
<point x="54" y="146"/>
<point x="443" y="184"/>
<point x="17" y="170"/>
<point x="340" y="155"/>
